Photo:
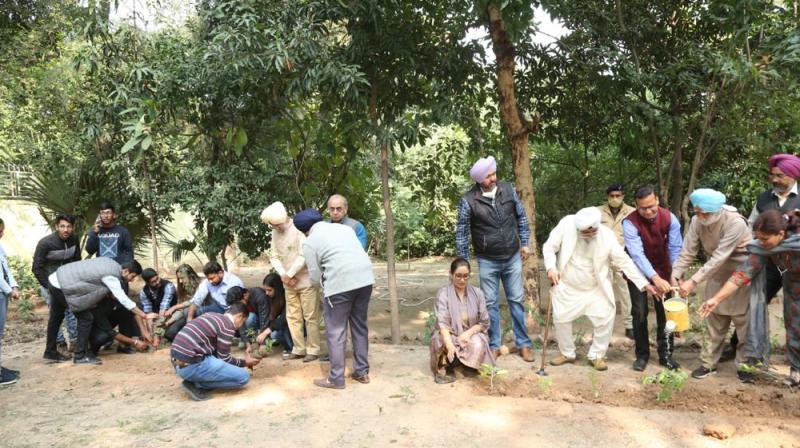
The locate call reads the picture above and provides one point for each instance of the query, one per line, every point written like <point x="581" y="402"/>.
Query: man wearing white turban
<point x="302" y="304"/>
<point x="577" y="256"/>
<point x="492" y="215"/>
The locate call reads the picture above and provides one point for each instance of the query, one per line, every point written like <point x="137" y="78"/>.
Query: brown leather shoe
<point x="526" y="353"/>
<point x="496" y="353"/>
<point x="363" y="379"/>
<point x="599" y="364"/>
<point x="560" y="360"/>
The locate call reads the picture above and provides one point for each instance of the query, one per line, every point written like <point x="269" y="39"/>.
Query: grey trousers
<point x="339" y="310"/>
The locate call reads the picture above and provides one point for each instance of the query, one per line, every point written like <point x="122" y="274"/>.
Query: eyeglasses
<point x="779" y="176"/>
<point x="461" y="276"/>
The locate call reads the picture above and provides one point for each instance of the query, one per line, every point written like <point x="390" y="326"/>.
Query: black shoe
<point x="702" y="372"/>
<point x="640" y="364"/>
<point x="728" y="354"/>
<point x="325" y="358"/>
<point x="55" y="357"/>
<point x="11" y="371"/>
<point x="87" y="360"/>
<point x="443" y="379"/>
<point x="669" y="363"/>
<point x="746" y="377"/>
<point x="126" y="349"/>
<point x="7" y="378"/>
<point x="194" y="392"/>
<point x="629" y="333"/>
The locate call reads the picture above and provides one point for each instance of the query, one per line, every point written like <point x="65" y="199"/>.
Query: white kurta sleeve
<point x="552" y="246"/>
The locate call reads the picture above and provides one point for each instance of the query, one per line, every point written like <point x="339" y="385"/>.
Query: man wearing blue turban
<point x="723" y="235"/>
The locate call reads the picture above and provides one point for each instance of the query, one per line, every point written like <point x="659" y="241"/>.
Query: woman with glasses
<point x="460" y="336"/>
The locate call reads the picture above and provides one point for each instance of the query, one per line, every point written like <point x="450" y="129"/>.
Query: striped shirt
<point x="208" y="335"/>
<point x="169" y="293"/>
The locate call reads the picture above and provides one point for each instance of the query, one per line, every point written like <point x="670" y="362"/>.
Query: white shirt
<point x="113" y="285"/>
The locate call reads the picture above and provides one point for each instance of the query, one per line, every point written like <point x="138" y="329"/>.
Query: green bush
<point x="21" y="270"/>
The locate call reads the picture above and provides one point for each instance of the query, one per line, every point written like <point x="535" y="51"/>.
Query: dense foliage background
<point x="242" y="102"/>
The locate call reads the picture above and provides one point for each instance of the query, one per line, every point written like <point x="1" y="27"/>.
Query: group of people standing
<point x="595" y="258"/>
<point x="628" y="254"/>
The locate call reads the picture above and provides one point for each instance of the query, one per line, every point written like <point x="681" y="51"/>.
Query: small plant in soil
<point x="406" y="394"/>
<point x="597" y="387"/>
<point x="25" y="306"/>
<point x="490" y="371"/>
<point x="545" y="382"/>
<point x="669" y="381"/>
<point x="430" y="327"/>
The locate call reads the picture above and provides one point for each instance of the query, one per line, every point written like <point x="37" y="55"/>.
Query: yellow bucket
<point x="677" y="310"/>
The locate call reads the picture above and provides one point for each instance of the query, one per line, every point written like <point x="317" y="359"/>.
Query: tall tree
<point x="519" y="124"/>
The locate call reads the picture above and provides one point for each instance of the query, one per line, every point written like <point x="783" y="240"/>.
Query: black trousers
<point x="96" y="326"/>
<point x="639" y="311"/>
<point x="54" y="320"/>
<point x="175" y="327"/>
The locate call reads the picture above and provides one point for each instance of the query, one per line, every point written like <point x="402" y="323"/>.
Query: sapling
<point x="545" y="382"/>
<point x="430" y="327"/>
<point x="490" y="371"/>
<point x="596" y="386"/>
<point x="669" y="381"/>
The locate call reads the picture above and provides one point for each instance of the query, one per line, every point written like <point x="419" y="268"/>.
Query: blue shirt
<point x="633" y="242"/>
<point x="463" y="225"/>
<point x="7" y="282"/>
<point x="217" y="292"/>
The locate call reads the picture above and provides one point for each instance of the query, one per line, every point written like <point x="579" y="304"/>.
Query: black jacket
<point x="52" y="252"/>
<point x="495" y="230"/>
<point x="271" y="313"/>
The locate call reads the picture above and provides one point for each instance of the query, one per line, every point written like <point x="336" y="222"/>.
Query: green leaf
<point x="239" y="141"/>
<point x="146" y="142"/>
<point x="130" y="144"/>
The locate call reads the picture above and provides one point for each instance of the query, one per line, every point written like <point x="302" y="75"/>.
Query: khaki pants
<point x="302" y="306"/>
<point x="717" y="327"/>
<point x="622" y="296"/>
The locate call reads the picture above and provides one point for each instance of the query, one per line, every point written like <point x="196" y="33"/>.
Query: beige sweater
<point x="286" y="255"/>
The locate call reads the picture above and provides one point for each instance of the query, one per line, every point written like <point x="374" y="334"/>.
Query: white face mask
<point x="711" y="220"/>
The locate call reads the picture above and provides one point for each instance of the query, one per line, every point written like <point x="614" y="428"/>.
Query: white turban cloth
<point x="587" y="218"/>
<point x="274" y="214"/>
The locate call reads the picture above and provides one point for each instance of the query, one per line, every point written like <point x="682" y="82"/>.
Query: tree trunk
<point x="517" y="130"/>
<point x="390" y="262"/>
<point x="154" y="240"/>
<point x="391" y="276"/>
<point x="676" y="179"/>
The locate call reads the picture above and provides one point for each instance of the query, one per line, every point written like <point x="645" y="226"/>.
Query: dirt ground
<point x="135" y="400"/>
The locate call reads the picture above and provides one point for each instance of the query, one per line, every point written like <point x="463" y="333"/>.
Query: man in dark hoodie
<point x="109" y="239"/>
<point x="54" y="250"/>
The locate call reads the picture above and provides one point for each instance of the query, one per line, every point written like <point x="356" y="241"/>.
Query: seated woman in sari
<point x="777" y="238"/>
<point x="461" y="333"/>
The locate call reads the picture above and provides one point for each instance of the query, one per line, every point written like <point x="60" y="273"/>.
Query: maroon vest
<point x="654" y="235"/>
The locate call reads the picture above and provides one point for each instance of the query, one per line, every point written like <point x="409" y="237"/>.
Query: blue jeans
<point x="213" y="308"/>
<point x="3" y="315"/>
<point x="510" y="272"/>
<point x="214" y="373"/>
<point x="72" y="323"/>
<point x="282" y="336"/>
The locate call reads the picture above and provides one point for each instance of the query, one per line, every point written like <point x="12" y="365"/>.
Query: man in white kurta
<point x="577" y="256"/>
